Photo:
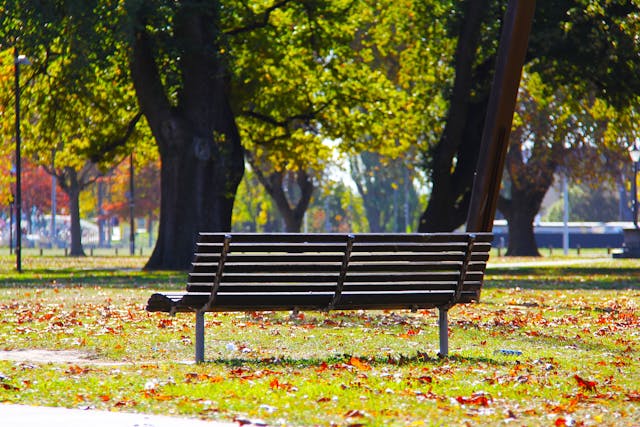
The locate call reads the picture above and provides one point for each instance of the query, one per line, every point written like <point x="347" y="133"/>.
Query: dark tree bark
<point x="292" y="211"/>
<point x="522" y="240"/>
<point x="455" y="156"/>
<point x="199" y="145"/>
<point x="530" y="180"/>
<point x="72" y="183"/>
<point x="74" y="213"/>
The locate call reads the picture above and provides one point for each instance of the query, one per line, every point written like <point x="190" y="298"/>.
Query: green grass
<point x="575" y="320"/>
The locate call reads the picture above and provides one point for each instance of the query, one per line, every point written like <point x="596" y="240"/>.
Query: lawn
<point x="570" y="325"/>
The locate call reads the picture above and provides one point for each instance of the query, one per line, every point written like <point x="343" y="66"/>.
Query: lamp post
<point x="11" y="226"/>
<point x="132" y="221"/>
<point x="634" y="152"/>
<point x="17" y="62"/>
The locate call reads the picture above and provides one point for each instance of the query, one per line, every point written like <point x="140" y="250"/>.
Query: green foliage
<point x="252" y="207"/>
<point x="590" y="45"/>
<point x="587" y="204"/>
<point x="388" y="192"/>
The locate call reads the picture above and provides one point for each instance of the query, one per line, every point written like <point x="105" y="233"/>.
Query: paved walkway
<point x="40" y="416"/>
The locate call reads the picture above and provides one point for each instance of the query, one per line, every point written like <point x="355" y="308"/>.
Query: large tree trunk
<point x="530" y="180"/>
<point x="202" y="159"/>
<point x="72" y="186"/>
<point x="522" y="240"/>
<point x="520" y="214"/>
<point x="455" y="157"/>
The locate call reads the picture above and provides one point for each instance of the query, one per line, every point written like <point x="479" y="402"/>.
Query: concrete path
<point x="40" y="416"/>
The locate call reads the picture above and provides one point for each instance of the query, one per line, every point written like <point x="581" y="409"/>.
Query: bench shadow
<point x="343" y="361"/>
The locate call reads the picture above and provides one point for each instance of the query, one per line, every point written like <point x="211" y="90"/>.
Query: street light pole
<point x="18" y="60"/>
<point x="11" y="226"/>
<point x="635" y="158"/>
<point x="132" y="231"/>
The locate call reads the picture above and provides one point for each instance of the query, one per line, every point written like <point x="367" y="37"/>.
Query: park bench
<point x="296" y="271"/>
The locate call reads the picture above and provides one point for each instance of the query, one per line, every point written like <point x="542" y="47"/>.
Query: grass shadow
<point x="108" y="278"/>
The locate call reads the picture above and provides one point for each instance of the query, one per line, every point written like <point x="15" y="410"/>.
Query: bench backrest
<point x="282" y="271"/>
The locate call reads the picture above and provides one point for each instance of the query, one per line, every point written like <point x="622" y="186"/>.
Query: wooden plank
<point x="252" y="268"/>
<point x="275" y="238"/>
<point x="186" y="302"/>
<point x="389" y="277"/>
<point x="305" y="288"/>
<point x="285" y="238"/>
<point x="240" y="258"/>
<point x="265" y="278"/>
<point x="267" y="248"/>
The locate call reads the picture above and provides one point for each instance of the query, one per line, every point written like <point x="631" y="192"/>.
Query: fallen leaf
<point x="479" y="399"/>
<point x="425" y="379"/>
<point x="277" y="385"/>
<point x="354" y="413"/>
<point x="76" y="370"/>
<point x="585" y="384"/>
<point x="9" y="387"/>
<point x="191" y="377"/>
<point x="323" y="367"/>
<point x="560" y="422"/>
<point x="633" y="397"/>
<point x="359" y="364"/>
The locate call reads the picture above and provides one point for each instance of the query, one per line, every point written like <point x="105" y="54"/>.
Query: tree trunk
<point x="455" y="156"/>
<point x="449" y="200"/>
<point x="530" y="182"/>
<point x="202" y="161"/>
<point x="293" y="216"/>
<point x="197" y="195"/>
<point x="522" y="240"/>
<point x="101" y="225"/>
<point x="72" y="187"/>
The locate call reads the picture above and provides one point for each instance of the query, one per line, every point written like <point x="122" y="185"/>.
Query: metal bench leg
<point x="199" y="336"/>
<point x="443" y="325"/>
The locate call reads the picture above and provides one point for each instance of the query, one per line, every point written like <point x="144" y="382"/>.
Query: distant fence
<point x="581" y="234"/>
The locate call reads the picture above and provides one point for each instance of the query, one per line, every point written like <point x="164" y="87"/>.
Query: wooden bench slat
<point x="382" y="285"/>
<point x="286" y="301"/>
<point x="253" y="268"/>
<point x="387" y="276"/>
<point x="239" y="258"/>
<point x="269" y="248"/>
<point x="205" y="237"/>
<point x="191" y="301"/>
<point x="310" y="288"/>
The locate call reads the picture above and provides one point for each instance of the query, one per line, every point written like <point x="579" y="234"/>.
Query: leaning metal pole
<point x="497" y="127"/>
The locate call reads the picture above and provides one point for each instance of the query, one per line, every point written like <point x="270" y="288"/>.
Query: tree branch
<point x="144" y="73"/>
<point x="310" y="115"/>
<point x="118" y="142"/>
<point x="259" y="21"/>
